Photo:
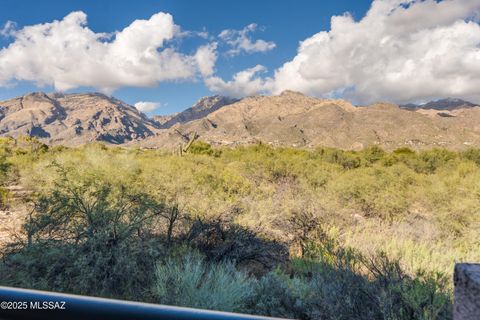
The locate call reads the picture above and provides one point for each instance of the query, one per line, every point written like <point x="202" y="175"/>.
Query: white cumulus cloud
<point x="206" y="57"/>
<point x="239" y="40"/>
<point x="147" y="106"/>
<point x="67" y="54"/>
<point x="244" y="83"/>
<point x="402" y="50"/>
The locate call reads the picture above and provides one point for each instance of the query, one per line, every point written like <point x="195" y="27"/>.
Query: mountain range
<point x="288" y="119"/>
<point x="442" y="104"/>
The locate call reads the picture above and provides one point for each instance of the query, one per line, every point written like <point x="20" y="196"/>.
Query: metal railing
<point x="33" y="304"/>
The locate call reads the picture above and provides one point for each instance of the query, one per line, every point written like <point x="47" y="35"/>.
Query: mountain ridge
<point x="288" y="119"/>
<point x="441" y="104"/>
<point x="200" y="109"/>
<point x="293" y="119"/>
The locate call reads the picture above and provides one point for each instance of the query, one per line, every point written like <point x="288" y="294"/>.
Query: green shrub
<point x="373" y="154"/>
<point x="188" y="280"/>
<point x="86" y="236"/>
<point x="96" y="268"/>
<point x="472" y="155"/>
<point x="277" y="295"/>
<point x="348" y="160"/>
<point x="336" y="283"/>
<point x="376" y="192"/>
<point x="200" y="147"/>
<point x="433" y="159"/>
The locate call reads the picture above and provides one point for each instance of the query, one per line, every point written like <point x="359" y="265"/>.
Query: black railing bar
<point x="39" y="305"/>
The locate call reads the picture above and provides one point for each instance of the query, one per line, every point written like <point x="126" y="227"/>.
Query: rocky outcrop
<point x="200" y="109"/>
<point x="164" y="118"/>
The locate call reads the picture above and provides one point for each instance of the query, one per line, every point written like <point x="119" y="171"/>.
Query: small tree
<point x="86" y="236"/>
<point x="81" y="209"/>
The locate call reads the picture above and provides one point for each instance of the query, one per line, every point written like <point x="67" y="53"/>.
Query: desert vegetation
<point x="308" y="234"/>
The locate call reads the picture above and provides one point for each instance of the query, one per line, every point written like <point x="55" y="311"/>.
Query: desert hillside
<point x="289" y="119"/>
<point x="296" y="120"/>
<point x="73" y="119"/>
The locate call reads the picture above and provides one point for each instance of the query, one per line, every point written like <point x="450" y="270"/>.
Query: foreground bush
<point x="86" y="236"/>
<point x="188" y="280"/>
<point x="336" y="283"/>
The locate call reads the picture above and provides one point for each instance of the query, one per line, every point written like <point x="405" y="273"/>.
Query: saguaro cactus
<point x="184" y="149"/>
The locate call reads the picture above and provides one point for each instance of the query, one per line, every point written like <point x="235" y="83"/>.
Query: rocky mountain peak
<point x="200" y="109"/>
<point x="447" y="104"/>
<point x="441" y="104"/>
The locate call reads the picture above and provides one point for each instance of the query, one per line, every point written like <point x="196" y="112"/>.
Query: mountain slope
<point x="292" y="119"/>
<point x="73" y="119"/>
<point x="200" y="109"/>
<point x="162" y="119"/>
<point x="289" y="119"/>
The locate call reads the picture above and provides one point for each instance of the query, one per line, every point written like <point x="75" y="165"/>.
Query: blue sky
<point x="335" y="64"/>
<point x="285" y="22"/>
